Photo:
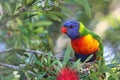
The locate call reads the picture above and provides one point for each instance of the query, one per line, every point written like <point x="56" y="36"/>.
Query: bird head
<point x="71" y="28"/>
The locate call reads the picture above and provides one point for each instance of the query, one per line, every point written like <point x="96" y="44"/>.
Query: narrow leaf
<point x="42" y="23"/>
<point x="85" y="4"/>
<point x="88" y="58"/>
<point x="94" y="76"/>
<point x="57" y="14"/>
<point x="9" y="77"/>
<point x="70" y="1"/>
<point x="77" y="65"/>
<point x="66" y="56"/>
<point x="109" y="70"/>
<point x="53" y="17"/>
<point x="39" y="63"/>
<point x="66" y="11"/>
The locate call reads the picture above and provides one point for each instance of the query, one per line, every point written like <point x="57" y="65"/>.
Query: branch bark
<point x="12" y="66"/>
<point x="58" y="56"/>
<point x="23" y="50"/>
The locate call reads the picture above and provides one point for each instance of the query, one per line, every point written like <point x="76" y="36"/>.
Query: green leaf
<point x="42" y="23"/>
<point x="79" y="2"/>
<point x="66" y="56"/>
<point x="51" y="78"/>
<point x="40" y="75"/>
<point x="69" y="1"/>
<point x="39" y="63"/>
<point x="57" y="14"/>
<point x="53" y="17"/>
<point x="39" y="30"/>
<point x="109" y="70"/>
<point x="101" y="66"/>
<point x="24" y="30"/>
<point x="23" y="2"/>
<point x="88" y="58"/>
<point x="113" y="65"/>
<point x="13" y="7"/>
<point x="50" y="42"/>
<point x="49" y="59"/>
<point x="66" y="11"/>
<point x="77" y="65"/>
<point x="9" y="77"/>
<point x="85" y="4"/>
<point x="94" y="76"/>
<point x="58" y="62"/>
<point x="30" y="2"/>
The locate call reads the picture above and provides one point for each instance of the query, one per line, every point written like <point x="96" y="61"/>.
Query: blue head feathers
<point x="72" y="27"/>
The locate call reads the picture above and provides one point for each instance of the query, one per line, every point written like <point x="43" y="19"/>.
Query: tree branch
<point x="23" y="50"/>
<point x="58" y="56"/>
<point x="19" y="50"/>
<point x="12" y="66"/>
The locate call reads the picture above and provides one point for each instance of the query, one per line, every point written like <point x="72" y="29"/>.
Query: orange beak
<point x="64" y="29"/>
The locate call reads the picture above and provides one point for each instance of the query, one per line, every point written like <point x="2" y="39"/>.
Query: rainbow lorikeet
<point x="83" y="41"/>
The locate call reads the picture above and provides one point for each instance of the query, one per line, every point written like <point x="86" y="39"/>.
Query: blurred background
<point x="35" y="24"/>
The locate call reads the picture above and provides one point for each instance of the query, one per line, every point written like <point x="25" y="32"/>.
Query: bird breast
<point x="85" y="45"/>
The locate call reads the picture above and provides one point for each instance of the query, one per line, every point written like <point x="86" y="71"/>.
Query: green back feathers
<point x="81" y="29"/>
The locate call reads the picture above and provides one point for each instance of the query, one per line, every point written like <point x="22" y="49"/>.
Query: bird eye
<point x="71" y="26"/>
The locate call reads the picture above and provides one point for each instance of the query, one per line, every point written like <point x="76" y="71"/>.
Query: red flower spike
<point x="67" y="74"/>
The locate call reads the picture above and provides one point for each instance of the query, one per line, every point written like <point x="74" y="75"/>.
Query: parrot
<point x="83" y="41"/>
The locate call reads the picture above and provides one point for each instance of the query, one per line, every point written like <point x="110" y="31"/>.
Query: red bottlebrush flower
<point x="67" y="74"/>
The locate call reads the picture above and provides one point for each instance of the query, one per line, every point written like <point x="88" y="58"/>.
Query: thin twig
<point x="17" y="50"/>
<point x="12" y="66"/>
<point x="23" y="50"/>
<point x="3" y="39"/>
<point x="10" y="29"/>
<point x="30" y="51"/>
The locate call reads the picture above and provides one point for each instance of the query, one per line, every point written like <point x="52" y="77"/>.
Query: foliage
<point x="114" y="27"/>
<point x="24" y="30"/>
<point x="114" y="31"/>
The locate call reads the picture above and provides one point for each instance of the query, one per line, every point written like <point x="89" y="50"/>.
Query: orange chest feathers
<point x="85" y="45"/>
